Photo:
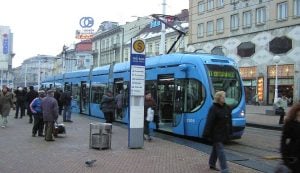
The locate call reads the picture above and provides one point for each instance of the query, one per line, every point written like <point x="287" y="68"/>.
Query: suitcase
<point x="59" y="128"/>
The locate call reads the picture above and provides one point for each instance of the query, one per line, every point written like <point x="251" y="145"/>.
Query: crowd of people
<point x="42" y="108"/>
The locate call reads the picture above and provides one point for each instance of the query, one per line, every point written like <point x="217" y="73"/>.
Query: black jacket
<point x="290" y="145"/>
<point x="31" y="95"/>
<point x="218" y="124"/>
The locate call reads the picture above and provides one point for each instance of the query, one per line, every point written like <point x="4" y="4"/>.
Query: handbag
<point x="279" y="111"/>
<point x="150" y="114"/>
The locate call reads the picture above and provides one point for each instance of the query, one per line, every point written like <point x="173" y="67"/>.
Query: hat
<point x="20" y="89"/>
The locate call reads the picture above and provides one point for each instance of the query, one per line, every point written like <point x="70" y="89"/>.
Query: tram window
<point x="75" y="91"/>
<point x="194" y="95"/>
<point x="97" y="92"/>
<point x="189" y="95"/>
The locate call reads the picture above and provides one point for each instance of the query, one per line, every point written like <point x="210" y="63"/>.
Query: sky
<point x="44" y="26"/>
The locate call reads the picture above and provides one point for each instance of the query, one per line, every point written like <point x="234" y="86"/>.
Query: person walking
<point x="6" y="103"/>
<point x="218" y="128"/>
<point x="30" y="96"/>
<point x="66" y="100"/>
<point x="20" y="103"/>
<point x="290" y="140"/>
<point x="280" y="107"/>
<point x="36" y="110"/>
<point x="108" y="106"/>
<point x="149" y="103"/>
<point x="50" y="114"/>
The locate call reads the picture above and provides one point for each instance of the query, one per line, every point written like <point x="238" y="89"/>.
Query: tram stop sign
<point x="137" y="92"/>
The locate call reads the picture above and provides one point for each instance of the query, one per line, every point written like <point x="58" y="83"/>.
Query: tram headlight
<point x="242" y="114"/>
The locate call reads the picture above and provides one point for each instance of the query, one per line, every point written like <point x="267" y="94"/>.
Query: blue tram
<point x="183" y="86"/>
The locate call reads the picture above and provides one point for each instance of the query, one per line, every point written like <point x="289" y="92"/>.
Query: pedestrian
<point x="218" y="128"/>
<point x="280" y="107"/>
<point x="290" y="140"/>
<point x="50" y="114"/>
<point x="30" y="96"/>
<point x="108" y="106"/>
<point x="6" y="103"/>
<point x="66" y="99"/>
<point x="119" y="104"/>
<point x="149" y="104"/>
<point x="21" y="99"/>
<point x="57" y="95"/>
<point x="36" y="110"/>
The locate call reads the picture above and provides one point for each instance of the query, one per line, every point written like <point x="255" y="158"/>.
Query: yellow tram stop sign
<point x="139" y="46"/>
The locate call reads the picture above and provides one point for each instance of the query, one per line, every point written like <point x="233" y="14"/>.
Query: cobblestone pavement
<point x="21" y="153"/>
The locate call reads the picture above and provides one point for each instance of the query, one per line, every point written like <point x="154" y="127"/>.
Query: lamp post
<point x="276" y="59"/>
<point x="39" y="75"/>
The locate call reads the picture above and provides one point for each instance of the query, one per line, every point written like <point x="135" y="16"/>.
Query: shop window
<point x="246" y="49"/>
<point x="280" y="45"/>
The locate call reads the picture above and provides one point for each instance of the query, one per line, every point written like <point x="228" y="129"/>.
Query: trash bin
<point x="100" y="135"/>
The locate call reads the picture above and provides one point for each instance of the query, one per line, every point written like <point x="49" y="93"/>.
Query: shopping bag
<point x="150" y="114"/>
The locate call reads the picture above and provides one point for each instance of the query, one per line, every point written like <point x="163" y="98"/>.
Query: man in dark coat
<point x="218" y="129"/>
<point x="50" y="114"/>
<point x="108" y="106"/>
<point x="57" y="95"/>
<point x="31" y="95"/>
<point x="20" y="103"/>
<point x="66" y="99"/>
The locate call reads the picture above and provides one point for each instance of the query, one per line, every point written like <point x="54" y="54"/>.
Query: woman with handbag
<point x="149" y="104"/>
<point x="290" y="140"/>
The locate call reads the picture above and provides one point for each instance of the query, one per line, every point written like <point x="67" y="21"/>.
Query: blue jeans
<point x="218" y="153"/>
<point x="67" y="113"/>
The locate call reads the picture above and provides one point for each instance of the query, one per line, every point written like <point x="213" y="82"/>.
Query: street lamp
<point x="276" y="59"/>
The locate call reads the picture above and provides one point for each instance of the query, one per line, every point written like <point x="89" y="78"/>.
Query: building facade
<point x="252" y="32"/>
<point x="34" y="70"/>
<point x="6" y="55"/>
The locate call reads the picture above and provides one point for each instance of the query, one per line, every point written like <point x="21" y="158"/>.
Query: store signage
<point x="5" y="44"/>
<point x="86" y="32"/>
<point x="260" y="88"/>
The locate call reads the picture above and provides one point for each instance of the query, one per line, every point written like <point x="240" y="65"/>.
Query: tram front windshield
<point x="226" y="78"/>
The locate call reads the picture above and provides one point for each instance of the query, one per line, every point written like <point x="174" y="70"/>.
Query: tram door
<point x="165" y="95"/>
<point x="84" y="98"/>
<point x="119" y="96"/>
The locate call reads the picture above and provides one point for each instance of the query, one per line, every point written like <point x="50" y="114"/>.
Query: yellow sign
<point x="139" y="46"/>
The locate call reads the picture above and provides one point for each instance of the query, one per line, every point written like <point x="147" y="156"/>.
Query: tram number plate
<point x="190" y="120"/>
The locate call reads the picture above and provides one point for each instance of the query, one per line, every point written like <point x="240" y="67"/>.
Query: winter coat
<point x="107" y="104"/>
<point x="36" y="105"/>
<point x="218" y="124"/>
<point x="6" y="102"/>
<point x="30" y="96"/>
<point x="148" y="103"/>
<point x="66" y="98"/>
<point x="50" y="109"/>
<point x="290" y="145"/>
<point x="21" y="96"/>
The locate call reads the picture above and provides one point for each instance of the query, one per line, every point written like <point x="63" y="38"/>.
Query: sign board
<point x="5" y="44"/>
<point x="137" y="92"/>
<point x="86" y="32"/>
